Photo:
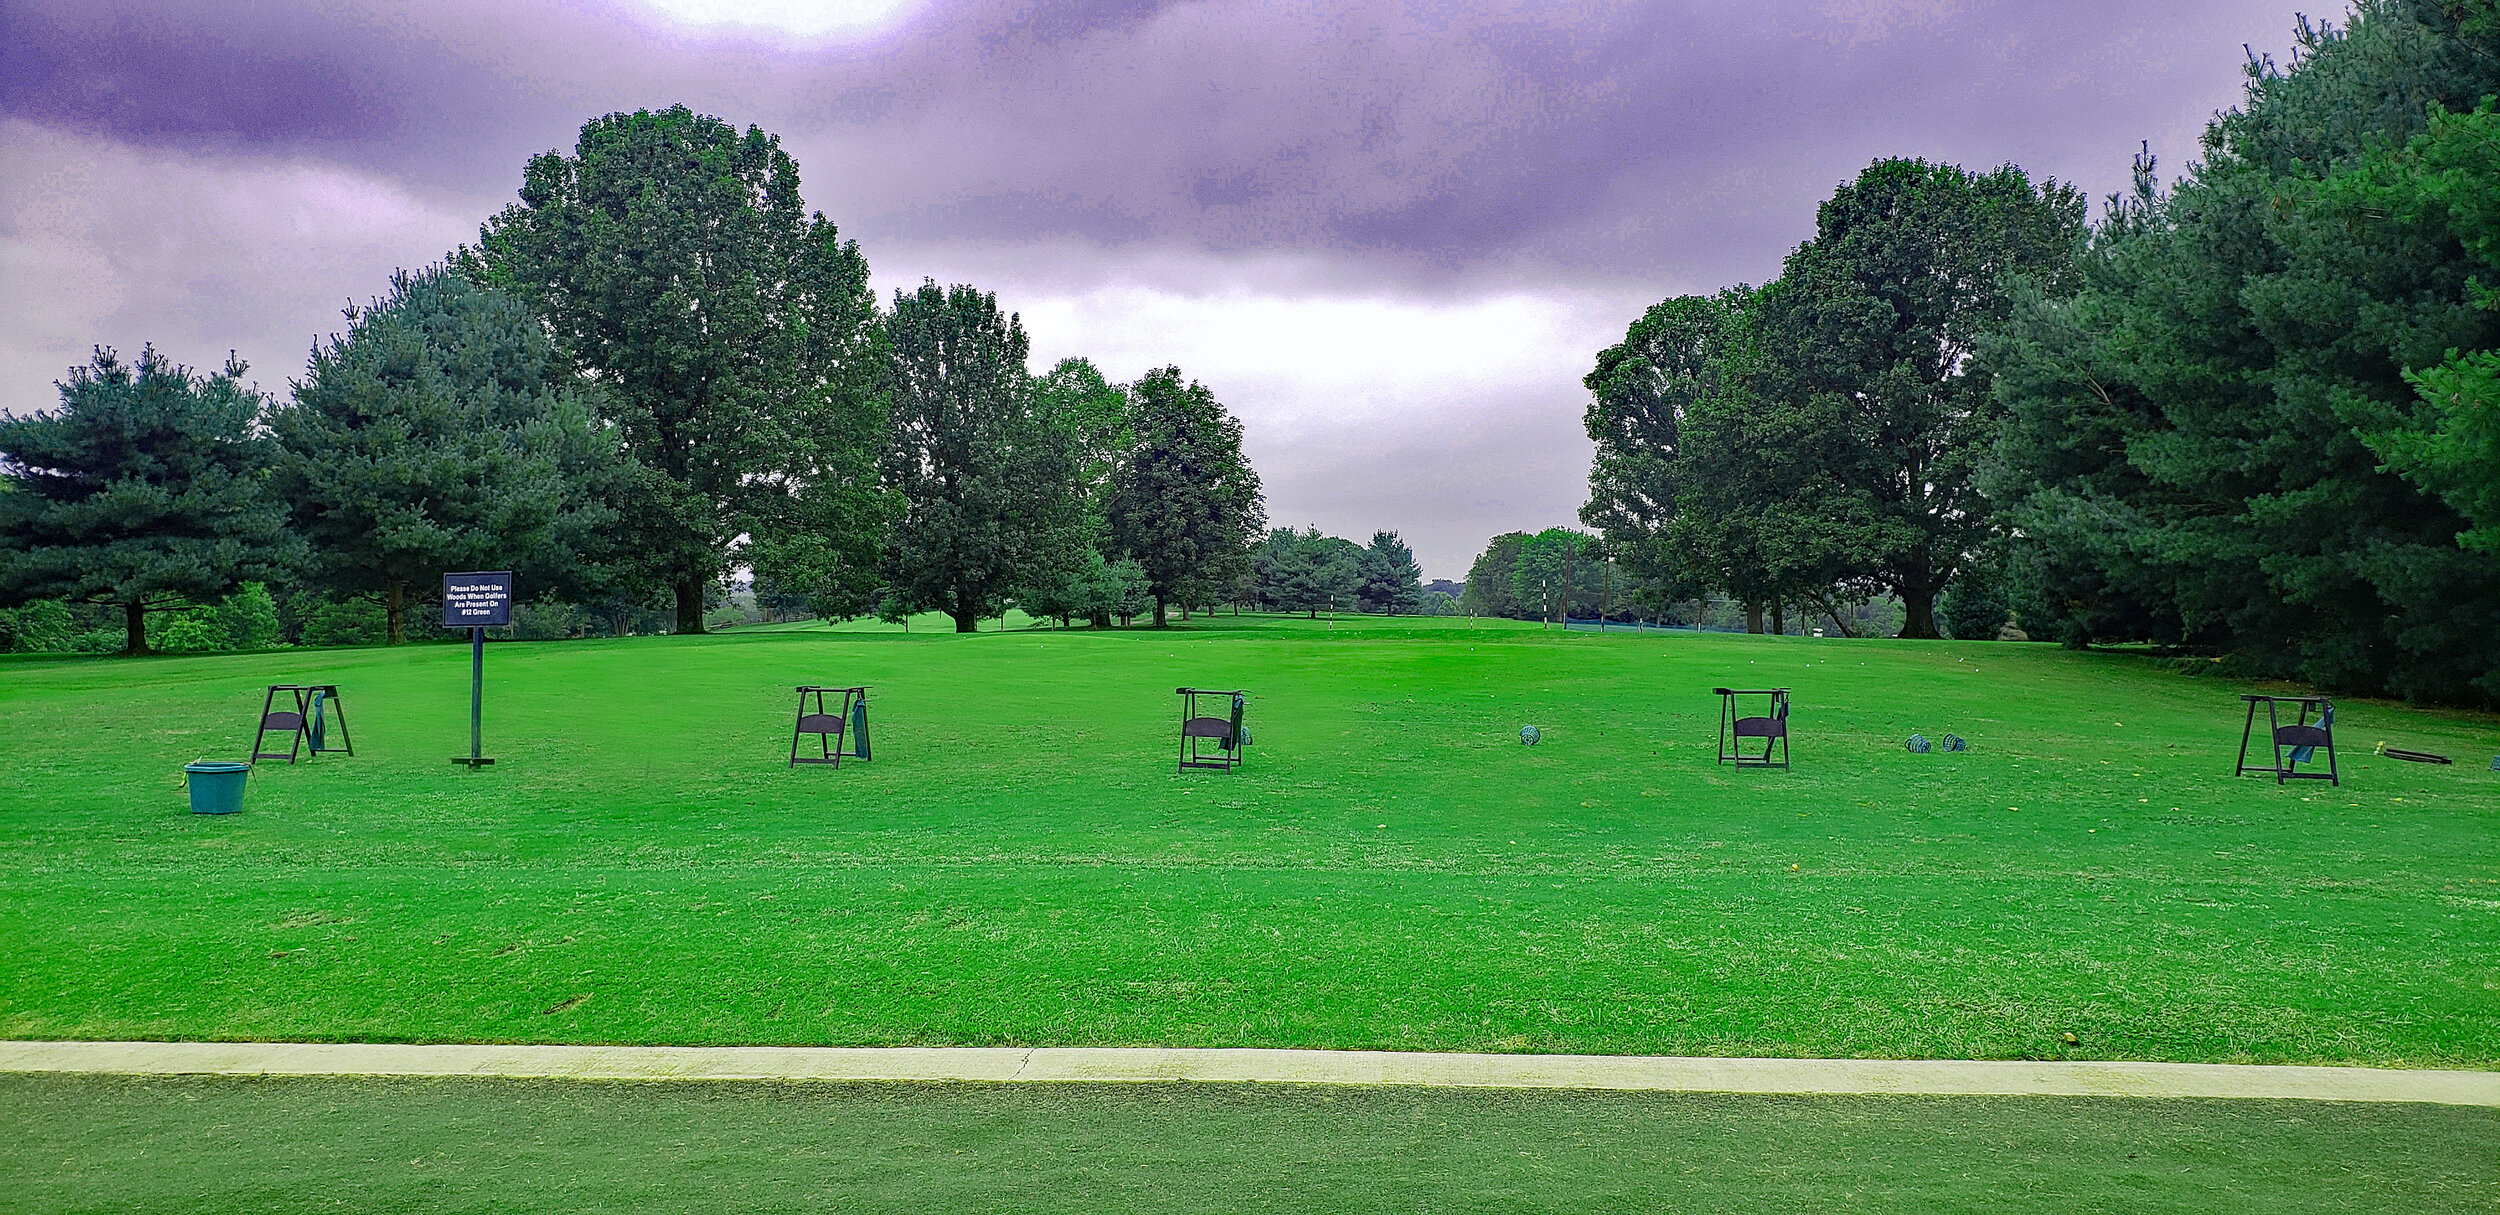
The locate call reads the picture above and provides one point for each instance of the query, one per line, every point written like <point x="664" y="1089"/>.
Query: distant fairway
<point x="1021" y="865"/>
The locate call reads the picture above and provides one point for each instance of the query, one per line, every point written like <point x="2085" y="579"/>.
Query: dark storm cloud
<point x="228" y="173"/>
<point x="252" y="77"/>
<point x="1621" y="138"/>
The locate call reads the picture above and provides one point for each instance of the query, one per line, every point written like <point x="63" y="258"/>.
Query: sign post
<point x="476" y="602"/>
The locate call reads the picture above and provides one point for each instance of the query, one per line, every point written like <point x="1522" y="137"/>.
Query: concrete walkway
<point x="1148" y="1064"/>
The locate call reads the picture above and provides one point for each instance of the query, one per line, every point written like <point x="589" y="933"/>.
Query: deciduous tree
<point x="1873" y="329"/>
<point x="988" y="487"/>
<point x="1185" y="504"/>
<point x="1559" y="571"/>
<point x="1489" y="578"/>
<point x="1709" y="479"/>
<point x="1093" y="414"/>
<point x="731" y="331"/>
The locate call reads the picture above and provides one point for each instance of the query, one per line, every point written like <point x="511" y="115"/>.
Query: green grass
<point x="204" y="1144"/>
<point x="1021" y="865"/>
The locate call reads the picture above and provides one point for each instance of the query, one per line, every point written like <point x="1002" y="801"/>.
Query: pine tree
<point x="440" y="433"/>
<point x="1308" y="572"/>
<point x="2442" y="183"/>
<point x="2213" y="440"/>
<point x="1393" y="584"/>
<point x="148" y="490"/>
<point x="1335" y="579"/>
<point x="1271" y="562"/>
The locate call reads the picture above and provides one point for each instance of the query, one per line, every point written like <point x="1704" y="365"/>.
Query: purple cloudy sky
<point x="1391" y="237"/>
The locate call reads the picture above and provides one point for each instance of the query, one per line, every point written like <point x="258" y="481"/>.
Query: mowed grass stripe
<point x="212" y="1144"/>
<point x="1392" y="870"/>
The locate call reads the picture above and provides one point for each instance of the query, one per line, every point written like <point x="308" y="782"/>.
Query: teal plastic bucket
<point x="216" y="785"/>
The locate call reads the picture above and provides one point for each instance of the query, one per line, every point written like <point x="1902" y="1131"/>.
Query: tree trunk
<point x="134" y="628"/>
<point x="1918" y="618"/>
<point x="1779" y="618"/>
<point x="966" y="619"/>
<point x="1184" y="611"/>
<point x="1162" y="621"/>
<point x="1840" y="623"/>
<point x="1753" y="617"/>
<point x="395" y="610"/>
<point x="690" y="606"/>
<point x="1917" y="582"/>
<point x="1562" y="602"/>
<point x="1099" y="620"/>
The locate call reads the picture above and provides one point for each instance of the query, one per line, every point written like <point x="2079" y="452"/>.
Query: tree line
<point x="1311" y="573"/>
<point x="2248" y="415"/>
<point x="654" y="368"/>
<point x="1552" y="575"/>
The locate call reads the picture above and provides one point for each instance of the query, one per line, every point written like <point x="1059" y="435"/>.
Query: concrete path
<point x="1149" y="1064"/>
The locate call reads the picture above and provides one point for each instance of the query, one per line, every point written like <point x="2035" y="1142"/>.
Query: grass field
<point x="1021" y="865"/>
<point x="208" y="1145"/>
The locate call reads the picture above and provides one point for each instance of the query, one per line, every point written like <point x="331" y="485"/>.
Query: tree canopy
<point x="654" y="369"/>
<point x="731" y="331"/>
<point x="1185" y="504"/>
<point x="1558" y="572"/>
<point x="1872" y="333"/>
<point x="1392" y="584"/>
<point x="1489" y="587"/>
<point x="1308" y="572"/>
<point x="988" y="486"/>
<point x="2254" y="426"/>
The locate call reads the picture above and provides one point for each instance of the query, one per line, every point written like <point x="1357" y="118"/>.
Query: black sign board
<point x="481" y="600"/>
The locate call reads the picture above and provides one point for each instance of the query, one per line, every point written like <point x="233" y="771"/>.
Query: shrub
<point x="249" y="619"/>
<point x="345" y="622"/>
<point x="547" y="621"/>
<point x="41" y="627"/>
<point x="196" y="631"/>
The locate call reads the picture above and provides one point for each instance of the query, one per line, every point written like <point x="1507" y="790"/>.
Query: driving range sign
<point x="477" y="600"/>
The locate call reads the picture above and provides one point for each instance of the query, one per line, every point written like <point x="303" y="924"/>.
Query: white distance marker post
<point x="476" y="602"/>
